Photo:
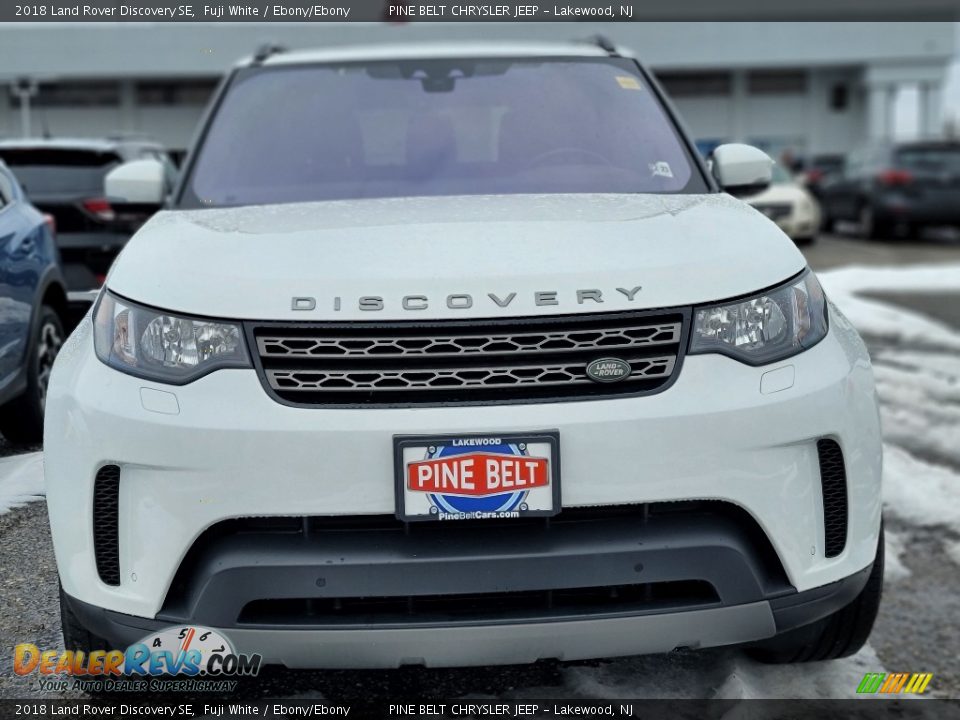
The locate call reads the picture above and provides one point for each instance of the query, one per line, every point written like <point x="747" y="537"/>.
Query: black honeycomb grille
<point x="106" y="506"/>
<point x="833" y="480"/>
<point x="444" y="362"/>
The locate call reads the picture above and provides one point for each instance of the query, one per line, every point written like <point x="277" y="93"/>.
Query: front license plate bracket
<point x="477" y="476"/>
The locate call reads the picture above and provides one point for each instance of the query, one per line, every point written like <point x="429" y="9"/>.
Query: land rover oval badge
<point x="608" y="370"/>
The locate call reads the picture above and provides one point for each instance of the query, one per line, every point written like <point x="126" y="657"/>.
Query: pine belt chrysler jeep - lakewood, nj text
<point x="459" y="355"/>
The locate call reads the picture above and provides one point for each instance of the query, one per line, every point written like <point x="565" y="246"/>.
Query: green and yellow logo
<point x="915" y="683"/>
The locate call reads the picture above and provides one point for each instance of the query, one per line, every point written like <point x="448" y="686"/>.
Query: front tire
<point x="21" y="420"/>
<point x="839" y="635"/>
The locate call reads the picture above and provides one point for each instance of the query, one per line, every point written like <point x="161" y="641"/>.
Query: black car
<point x="818" y="169"/>
<point x="33" y="305"/>
<point x="896" y="189"/>
<point x="64" y="177"/>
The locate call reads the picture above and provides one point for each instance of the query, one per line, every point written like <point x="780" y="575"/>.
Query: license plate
<point x="475" y="477"/>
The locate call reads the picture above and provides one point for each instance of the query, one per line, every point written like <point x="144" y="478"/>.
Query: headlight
<point x="768" y="327"/>
<point x="159" y="346"/>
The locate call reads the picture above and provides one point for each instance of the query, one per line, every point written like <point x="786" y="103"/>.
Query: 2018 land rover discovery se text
<point x="459" y="355"/>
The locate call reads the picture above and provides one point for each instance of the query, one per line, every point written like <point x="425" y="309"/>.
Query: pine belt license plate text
<point x="470" y="477"/>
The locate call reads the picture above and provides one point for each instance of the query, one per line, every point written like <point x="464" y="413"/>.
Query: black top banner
<point x="405" y="11"/>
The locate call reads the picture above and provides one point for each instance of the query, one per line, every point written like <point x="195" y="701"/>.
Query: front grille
<point x="405" y="363"/>
<point x="106" y="542"/>
<point x="481" y="606"/>
<point x="833" y="480"/>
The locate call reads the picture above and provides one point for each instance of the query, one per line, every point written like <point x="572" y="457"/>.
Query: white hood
<point x="249" y="263"/>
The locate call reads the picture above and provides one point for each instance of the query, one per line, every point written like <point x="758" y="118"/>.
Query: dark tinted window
<point x="828" y="163"/>
<point x="60" y="171"/>
<point x="438" y="127"/>
<point x="931" y="157"/>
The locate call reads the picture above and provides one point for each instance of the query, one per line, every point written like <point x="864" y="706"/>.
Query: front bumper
<point x="219" y="449"/>
<point x="462" y="645"/>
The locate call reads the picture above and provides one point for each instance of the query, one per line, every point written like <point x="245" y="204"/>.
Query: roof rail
<point x="604" y="43"/>
<point x="266" y="50"/>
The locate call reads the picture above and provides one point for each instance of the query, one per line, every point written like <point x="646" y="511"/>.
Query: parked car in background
<point x="790" y="205"/>
<point x="896" y="189"/>
<point x="33" y="304"/>
<point x="820" y="167"/>
<point x="64" y="177"/>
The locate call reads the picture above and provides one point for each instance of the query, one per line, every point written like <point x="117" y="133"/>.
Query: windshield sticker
<point x="661" y="169"/>
<point x="628" y="83"/>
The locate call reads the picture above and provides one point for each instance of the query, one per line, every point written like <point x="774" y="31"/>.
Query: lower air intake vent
<point x="106" y="544"/>
<point x="833" y="479"/>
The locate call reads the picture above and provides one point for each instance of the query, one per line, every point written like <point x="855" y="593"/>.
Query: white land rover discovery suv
<point x="459" y="355"/>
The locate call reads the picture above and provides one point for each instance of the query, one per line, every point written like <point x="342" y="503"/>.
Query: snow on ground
<point x="919" y="391"/>
<point x="895" y="546"/>
<point x="21" y="480"/>
<point x="920" y="406"/>
<point x="918" y="491"/>
<point x="885" y="321"/>
<point x="953" y="550"/>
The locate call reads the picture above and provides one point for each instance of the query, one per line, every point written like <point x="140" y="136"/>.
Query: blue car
<point x="33" y="307"/>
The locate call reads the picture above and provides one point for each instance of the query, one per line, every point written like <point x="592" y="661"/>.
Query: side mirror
<point x="138" y="182"/>
<point x="741" y="169"/>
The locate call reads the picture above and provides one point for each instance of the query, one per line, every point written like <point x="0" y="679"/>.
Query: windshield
<point x="438" y="127"/>
<point x="780" y="176"/>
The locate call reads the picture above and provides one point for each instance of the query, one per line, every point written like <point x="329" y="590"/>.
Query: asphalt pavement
<point x="917" y="630"/>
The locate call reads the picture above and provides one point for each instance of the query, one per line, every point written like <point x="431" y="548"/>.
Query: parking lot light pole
<point x="24" y="89"/>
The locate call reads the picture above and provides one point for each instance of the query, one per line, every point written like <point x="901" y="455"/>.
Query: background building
<point x="809" y="88"/>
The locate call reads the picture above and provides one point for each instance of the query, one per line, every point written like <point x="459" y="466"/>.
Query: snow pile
<point x="882" y="320"/>
<point x="21" y="480"/>
<point x="919" y="391"/>
<point x="920" y="407"/>
<point x="918" y="491"/>
<point x="895" y="546"/>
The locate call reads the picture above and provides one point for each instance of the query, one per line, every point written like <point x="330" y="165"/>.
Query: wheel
<point x="835" y="636"/>
<point x="75" y="635"/>
<point x="872" y="227"/>
<point x="21" y="420"/>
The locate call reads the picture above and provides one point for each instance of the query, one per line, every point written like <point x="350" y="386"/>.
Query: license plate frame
<point x="544" y="503"/>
